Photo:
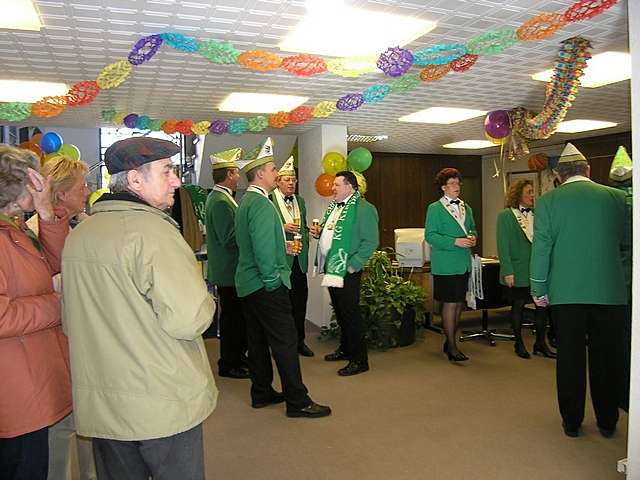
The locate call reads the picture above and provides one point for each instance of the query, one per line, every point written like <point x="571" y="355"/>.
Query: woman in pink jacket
<point x="35" y="390"/>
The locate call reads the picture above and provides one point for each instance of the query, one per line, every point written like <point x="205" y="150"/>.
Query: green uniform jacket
<point x="262" y="262"/>
<point x="578" y="235"/>
<point x="441" y="231"/>
<point x="222" y="250"/>
<point x="365" y="237"/>
<point x="514" y="249"/>
<point x="303" y="257"/>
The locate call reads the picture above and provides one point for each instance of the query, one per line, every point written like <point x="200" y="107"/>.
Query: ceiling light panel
<point x="574" y="126"/>
<point x="20" y="15"/>
<point x="602" y="69"/>
<point x="28" y="91"/>
<point x="470" y="144"/>
<point x="442" y="115"/>
<point x="260" y="102"/>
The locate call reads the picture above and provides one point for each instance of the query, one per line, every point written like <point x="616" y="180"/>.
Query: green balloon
<point x="69" y="150"/>
<point x="359" y="159"/>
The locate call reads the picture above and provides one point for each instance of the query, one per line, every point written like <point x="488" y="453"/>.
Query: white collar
<point x="449" y="200"/>
<point x="257" y="189"/>
<point x="226" y="189"/>
<point x="577" y="178"/>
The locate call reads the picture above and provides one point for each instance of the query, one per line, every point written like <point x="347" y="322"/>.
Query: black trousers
<point x="346" y="304"/>
<point x="598" y="330"/>
<point x="25" y="457"/>
<point x="233" y="330"/>
<point x="179" y="456"/>
<point x="270" y="326"/>
<point x="298" y="295"/>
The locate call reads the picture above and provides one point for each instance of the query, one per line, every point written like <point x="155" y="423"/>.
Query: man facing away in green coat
<point x="222" y="253"/>
<point x="576" y="267"/>
<point x="262" y="282"/>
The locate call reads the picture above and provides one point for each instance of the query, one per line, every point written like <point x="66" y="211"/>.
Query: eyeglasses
<point x="452" y="183"/>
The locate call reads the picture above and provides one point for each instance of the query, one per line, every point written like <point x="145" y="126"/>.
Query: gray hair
<point x="566" y="170"/>
<point x="14" y="163"/>
<point x="119" y="182"/>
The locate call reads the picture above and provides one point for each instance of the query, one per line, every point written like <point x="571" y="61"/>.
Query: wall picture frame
<point x="531" y="175"/>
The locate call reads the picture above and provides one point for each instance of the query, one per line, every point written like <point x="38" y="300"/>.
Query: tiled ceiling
<point x="80" y="37"/>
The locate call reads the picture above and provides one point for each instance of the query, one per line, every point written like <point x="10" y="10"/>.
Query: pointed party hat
<point x="571" y="154"/>
<point x="621" y="167"/>
<point x="287" y="169"/>
<point x="260" y="155"/>
<point x="226" y="159"/>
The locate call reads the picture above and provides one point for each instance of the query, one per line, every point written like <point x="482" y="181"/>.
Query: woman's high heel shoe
<point x="521" y="351"/>
<point x="543" y="350"/>
<point x="458" y="357"/>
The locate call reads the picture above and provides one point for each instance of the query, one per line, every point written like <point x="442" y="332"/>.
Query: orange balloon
<point x="35" y="149"/>
<point x="324" y="183"/>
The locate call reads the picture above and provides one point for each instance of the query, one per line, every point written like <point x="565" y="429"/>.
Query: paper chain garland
<point x="561" y="92"/>
<point x="438" y="60"/>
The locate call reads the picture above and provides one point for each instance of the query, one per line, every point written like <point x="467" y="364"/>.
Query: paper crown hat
<point x="226" y="159"/>
<point x="571" y="154"/>
<point x="287" y="169"/>
<point x="621" y="167"/>
<point x="260" y="155"/>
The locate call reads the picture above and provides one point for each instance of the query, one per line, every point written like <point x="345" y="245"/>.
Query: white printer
<point x="412" y="250"/>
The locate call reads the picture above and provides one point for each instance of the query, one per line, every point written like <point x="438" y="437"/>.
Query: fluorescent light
<point x="602" y="69"/>
<point x="28" y="91"/>
<point x="574" y="126"/>
<point x="443" y="115"/>
<point x="366" y="138"/>
<point x="470" y="144"/>
<point x="333" y="29"/>
<point x="20" y="15"/>
<point x="260" y="102"/>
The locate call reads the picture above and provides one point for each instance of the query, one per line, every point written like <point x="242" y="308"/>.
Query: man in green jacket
<point x="222" y="255"/>
<point x="348" y="236"/>
<point x="576" y="267"/>
<point x="135" y="307"/>
<point x="262" y="282"/>
<point x="293" y="213"/>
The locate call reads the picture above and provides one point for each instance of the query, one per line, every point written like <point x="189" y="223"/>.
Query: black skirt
<point x="450" y="288"/>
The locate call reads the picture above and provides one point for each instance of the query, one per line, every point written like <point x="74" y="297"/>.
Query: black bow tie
<point x="340" y="204"/>
<point x="525" y="210"/>
<point x="288" y="198"/>
<point x="454" y="202"/>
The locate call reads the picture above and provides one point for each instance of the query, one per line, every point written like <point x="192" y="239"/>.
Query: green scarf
<point x="335" y="265"/>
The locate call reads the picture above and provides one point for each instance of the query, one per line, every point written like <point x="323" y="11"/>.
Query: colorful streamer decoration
<point x="492" y="42"/>
<point x="431" y="73"/>
<point x="222" y="53"/>
<point x="279" y="120"/>
<point x="130" y="120"/>
<point x="257" y="124"/>
<point x="15" y="111"/>
<point x="439" y="54"/>
<point x="113" y="74"/>
<point x="586" y="9"/>
<point x="304" y="65"/>
<point x="351" y="67"/>
<point x="218" y="127"/>
<point x="464" y="63"/>
<point x="142" y="123"/>
<point x="300" y="115"/>
<point x="49" y="106"/>
<point x="562" y="89"/>
<point x="82" y="93"/>
<point x="184" y="127"/>
<point x="543" y="26"/>
<point x="375" y="93"/>
<point x="404" y="84"/>
<point x="260" y="60"/>
<point x="395" y="62"/>
<point x="180" y="42"/>
<point x="237" y="126"/>
<point x="324" y="109"/>
<point x="350" y="102"/>
<point x="201" y="128"/>
<point x="144" y="49"/>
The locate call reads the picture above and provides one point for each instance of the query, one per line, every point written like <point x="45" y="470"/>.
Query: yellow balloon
<point x="333" y="162"/>
<point x="497" y="141"/>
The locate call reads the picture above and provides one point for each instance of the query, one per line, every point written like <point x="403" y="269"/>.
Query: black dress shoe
<point x="313" y="410"/>
<point x="276" y="398"/>
<point x="458" y="357"/>
<point x="521" y="351"/>
<point x="543" y="350"/>
<point x="607" y="432"/>
<point x="234" y="372"/>
<point x="353" y="368"/>
<point x="336" y="356"/>
<point x="570" y="432"/>
<point x="305" y="351"/>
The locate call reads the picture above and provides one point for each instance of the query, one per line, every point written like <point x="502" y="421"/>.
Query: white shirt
<point x="326" y="237"/>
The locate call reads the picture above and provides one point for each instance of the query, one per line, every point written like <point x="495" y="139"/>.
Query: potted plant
<point x="393" y="307"/>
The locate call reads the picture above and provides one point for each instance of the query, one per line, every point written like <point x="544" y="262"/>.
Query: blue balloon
<point x="553" y="162"/>
<point x="50" y="142"/>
